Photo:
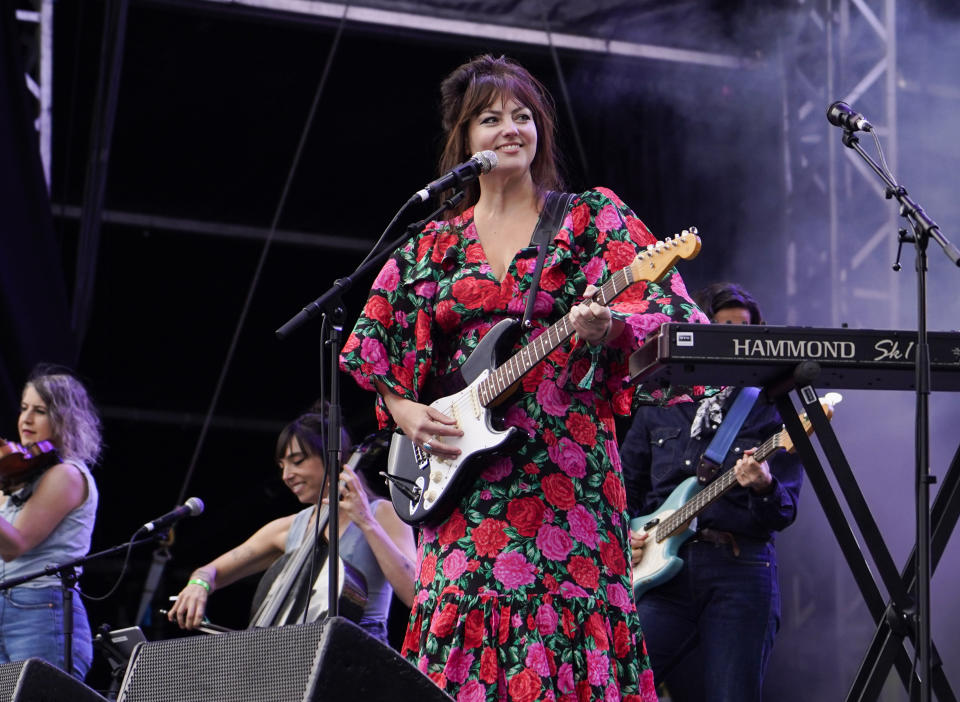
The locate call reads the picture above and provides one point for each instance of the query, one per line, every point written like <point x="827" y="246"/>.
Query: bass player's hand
<point x="637" y="541"/>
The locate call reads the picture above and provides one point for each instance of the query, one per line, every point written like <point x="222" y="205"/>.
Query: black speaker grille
<point x="36" y="680"/>
<point x="9" y="677"/>
<point x="260" y="665"/>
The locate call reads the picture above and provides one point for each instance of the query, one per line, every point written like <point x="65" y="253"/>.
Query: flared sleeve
<point x="393" y="339"/>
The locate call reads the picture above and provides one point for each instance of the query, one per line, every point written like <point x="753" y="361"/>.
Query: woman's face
<point x="34" y="421"/>
<point x="302" y="473"/>
<point x="505" y="127"/>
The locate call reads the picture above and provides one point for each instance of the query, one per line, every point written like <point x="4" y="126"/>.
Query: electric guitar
<point x="425" y="488"/>
<point x="669" y="526"/>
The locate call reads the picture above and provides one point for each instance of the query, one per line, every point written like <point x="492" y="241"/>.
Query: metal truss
<point x="36" y="19"/>
<point x="841" y="234"/>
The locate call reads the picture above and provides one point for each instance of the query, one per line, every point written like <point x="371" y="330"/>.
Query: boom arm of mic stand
<point x="921" y="223"/>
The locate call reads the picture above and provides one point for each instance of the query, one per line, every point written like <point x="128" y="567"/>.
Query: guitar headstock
<point x="827" y="402"/>
<point x="652" y="264"/>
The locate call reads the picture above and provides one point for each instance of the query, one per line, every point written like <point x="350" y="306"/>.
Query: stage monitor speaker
<point x="35" y="680"/>
<point x="328" y="661"/>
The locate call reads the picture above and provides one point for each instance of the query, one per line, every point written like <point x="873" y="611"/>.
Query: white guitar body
<point x="437" y="479"/>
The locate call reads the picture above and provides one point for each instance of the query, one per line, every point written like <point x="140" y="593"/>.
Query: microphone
<point x="458" y="176"/>
<point x="840" y="114"/>
<point x="191" y="508"/>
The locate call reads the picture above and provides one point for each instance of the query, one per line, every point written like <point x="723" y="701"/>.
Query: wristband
<point x="202" y="583"/>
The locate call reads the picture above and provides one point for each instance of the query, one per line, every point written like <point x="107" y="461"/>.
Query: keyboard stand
<point x="894" y="619"/>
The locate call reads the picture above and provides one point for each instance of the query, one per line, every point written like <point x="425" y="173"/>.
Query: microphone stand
<point x="924" y="229"/>
<point x="330" y="304"/>
<point x="67" y="573"/>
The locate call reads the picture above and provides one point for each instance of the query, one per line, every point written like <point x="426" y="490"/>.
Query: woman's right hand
<point x="191" y="605"/>
<point x="424" y="425"/>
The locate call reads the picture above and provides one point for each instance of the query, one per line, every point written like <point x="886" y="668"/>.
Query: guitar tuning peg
<point x="693" y="231"/>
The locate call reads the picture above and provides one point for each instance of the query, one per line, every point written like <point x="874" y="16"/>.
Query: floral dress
<point x="524" y="591"/>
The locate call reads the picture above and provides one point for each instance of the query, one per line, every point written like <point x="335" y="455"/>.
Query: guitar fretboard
<point x="711" y="492"/>
<point x="504" y="377"/>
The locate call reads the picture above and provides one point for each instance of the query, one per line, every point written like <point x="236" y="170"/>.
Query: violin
<point x="19" y="464"/>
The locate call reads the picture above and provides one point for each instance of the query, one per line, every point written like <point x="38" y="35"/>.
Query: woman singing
<point x="47" y="518"/>
<point x="524" y="589"/>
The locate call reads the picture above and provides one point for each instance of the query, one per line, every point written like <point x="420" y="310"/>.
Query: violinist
<point x="47" y="512"/>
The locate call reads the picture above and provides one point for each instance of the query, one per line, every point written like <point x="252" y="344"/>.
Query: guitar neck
<point x="714" y="491"/>
<point x="498" y="383"/>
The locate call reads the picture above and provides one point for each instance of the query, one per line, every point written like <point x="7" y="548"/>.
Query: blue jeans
<point x="709" y="631"/>
<point x="31" y="626"/>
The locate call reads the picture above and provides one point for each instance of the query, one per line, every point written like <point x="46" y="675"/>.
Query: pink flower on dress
<point x="569" y="455"/>
<point x="598" y="667"/>
<point x="593" y="270"/>
<point x="554" y="543"/>
<point x="608" y="219"/>
<point x="454" y="565"/>
<point x="373" y="352"/>
<point x="472" y="691"/>
<point x="517" y="417"/>
<point x="648" y="688"/>
<point x="546" y="620"/>
<point x="551" y="399"/>
<point x="612" y="693"/>
<point x="389" y="277"/>
<point x="513" y="570"/>
<point x="498" y="470"/>
<point x="643" y="324"/>
<point x="543" y="304"/>
<point x="565" y="678"/>
<point x="537" y="659"/>
<point x="569" y="590"/>
<point x="583" y="526"/>
<point x="458" y="665"/>
<point x="425" y="288"/>
<point x="618" y="596"/>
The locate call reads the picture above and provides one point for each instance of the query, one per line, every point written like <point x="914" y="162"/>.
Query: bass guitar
<point x="669" y="526"/>
<point x="425" y="488"/>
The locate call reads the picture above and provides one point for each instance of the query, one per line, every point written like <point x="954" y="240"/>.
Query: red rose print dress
<point x="524" y="591"/>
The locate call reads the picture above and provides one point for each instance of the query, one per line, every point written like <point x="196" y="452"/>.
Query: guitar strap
<point x="551" y="217"/>
<point x="712" y="459"/>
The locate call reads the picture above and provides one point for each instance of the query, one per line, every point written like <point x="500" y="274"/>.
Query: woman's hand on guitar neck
<point x="424" y="425"/>
<point x="592" y="321"/>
